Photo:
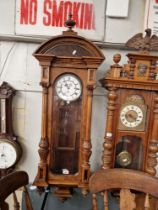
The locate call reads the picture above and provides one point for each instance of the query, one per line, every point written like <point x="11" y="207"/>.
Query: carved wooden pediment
<point x="146" y="43"/>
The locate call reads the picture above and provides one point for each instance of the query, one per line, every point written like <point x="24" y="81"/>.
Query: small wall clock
<point x="69" y="63"/>
<point x="10" y="150"/>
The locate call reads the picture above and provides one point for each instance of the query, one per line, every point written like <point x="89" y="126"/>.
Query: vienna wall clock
<point x="131" y="135"/>
<point x="69" y="63"/>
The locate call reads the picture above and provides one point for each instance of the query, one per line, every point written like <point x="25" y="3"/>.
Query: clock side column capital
<point x="91" y="80"/>
<point x="45" y="78"/>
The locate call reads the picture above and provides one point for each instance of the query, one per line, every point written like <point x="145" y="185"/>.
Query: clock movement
<point x="69" y="63"/>
<point x="10" y="150"/>
<point x="131" y="135"/>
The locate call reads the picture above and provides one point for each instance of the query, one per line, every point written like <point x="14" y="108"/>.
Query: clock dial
<point x="131" y="116"/>
<point x="8" y="154"/>
<point x="68" y="87"/>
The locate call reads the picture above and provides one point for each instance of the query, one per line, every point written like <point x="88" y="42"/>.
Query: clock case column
<point x="66" y="54"/>
<point x="109" y="143"/>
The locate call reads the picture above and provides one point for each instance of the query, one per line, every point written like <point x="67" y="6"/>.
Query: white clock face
<point x="131" y="116"/>
<point x="68" y="87"/>
<point x="8" y="155"/>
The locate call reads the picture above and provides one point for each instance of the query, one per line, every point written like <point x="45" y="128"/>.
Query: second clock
<point x="131" y="135"/>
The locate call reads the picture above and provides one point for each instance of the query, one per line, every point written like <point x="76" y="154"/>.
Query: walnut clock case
<point x="131" y="134"/>
<point x="10" y="149"/>
<point x="69" y="63"/>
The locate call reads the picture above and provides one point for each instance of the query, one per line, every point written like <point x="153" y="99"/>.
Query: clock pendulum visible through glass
<point x="124" y="158"/>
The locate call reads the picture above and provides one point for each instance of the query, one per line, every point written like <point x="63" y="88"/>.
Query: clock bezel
<point x="126" y="122"/>
<point x="141" y="126"/>
<point x="78" y="80"/>
<point x="16" y="147"/>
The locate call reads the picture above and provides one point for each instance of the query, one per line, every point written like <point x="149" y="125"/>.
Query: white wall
<point x="21" y="70"/>
<point x="119" y="30"/>
<point x="115" y="30"/>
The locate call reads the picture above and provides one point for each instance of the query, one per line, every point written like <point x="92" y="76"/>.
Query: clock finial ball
<point x="117" y="58"/>
<point x="70" y="23"/>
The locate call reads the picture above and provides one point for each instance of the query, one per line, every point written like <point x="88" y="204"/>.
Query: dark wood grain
<point x="12" y="182"/>
<point x="9" y="184"/>
<point x="123" y="178"/>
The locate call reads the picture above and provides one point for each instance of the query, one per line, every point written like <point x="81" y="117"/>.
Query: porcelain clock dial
<point x="131" y="116"/>
<point x="68" y="87"/>
<point x="8" y="154"/>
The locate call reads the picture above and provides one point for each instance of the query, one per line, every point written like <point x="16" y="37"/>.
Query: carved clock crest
<point x="69" y="63"/>
<point x="131" y="135"/>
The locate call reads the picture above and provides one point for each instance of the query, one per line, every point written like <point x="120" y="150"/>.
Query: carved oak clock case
<point x="69" y="63"/>
<point x="131" y="135"/>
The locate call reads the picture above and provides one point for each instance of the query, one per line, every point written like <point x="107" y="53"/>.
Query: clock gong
<point x="10" y="150"/>
<point x="131" y="136"/>
<point x="69" y="63"/>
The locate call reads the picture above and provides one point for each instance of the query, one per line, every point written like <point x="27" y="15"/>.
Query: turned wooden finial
<point x="70" y="23"/>
<point x="116" y="67"/>
<point x="116" y="59"/>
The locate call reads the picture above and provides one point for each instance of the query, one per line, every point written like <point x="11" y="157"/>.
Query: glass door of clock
<point x="129" y="153"/>
<point x="66" y="134"/>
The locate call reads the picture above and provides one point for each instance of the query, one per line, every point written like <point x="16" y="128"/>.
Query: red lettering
<point x="76" y="12"/>
<point x="55" y="13"/>
<point x="24" y="12"/>
<point x="93" y="21"/>
<point x="88" y="16"/>
<point x="82" y="15"/>
<point x="28" y="12"/>
<point x="33" y="12"/>
<point x="57" y="19"/>
<point x="156" y="1"/>
<point x="47" y="18"/>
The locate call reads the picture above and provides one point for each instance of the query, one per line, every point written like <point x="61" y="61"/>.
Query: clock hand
<point x="2" y="155"/>
<point x="131" y="116"/>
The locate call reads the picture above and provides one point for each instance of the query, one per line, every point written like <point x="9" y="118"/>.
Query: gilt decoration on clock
<point x="133" y="114"/>
<point x="69" y="63"/>
<point x="131" y="136"/>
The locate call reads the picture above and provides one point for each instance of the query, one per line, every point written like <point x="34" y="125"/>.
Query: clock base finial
<point x="63" y="193"/>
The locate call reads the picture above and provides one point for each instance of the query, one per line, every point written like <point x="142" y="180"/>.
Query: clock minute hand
<point x="131" y="116"/>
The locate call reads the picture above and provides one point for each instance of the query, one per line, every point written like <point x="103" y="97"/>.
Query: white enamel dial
<point x="8" y="154"/>
<point x="131" y="116"/>
<point x="68" y="87"/>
